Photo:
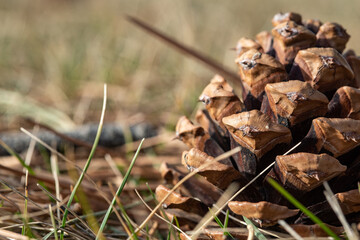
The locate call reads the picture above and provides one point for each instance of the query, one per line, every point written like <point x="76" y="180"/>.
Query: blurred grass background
<point x="59" y="53"/>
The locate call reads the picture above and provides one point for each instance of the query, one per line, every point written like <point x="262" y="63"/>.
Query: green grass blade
<point x="226" y="233"/>
<point x="170" y="230"/>
<point x="178" y="226"/>
<point x="226" y="222"/>
<point x="257" y="232"/>
<point x="127" y="219"/>
<point x="297" y="204"/>
<point x="87" y="164"/>
<point x="107" y="215"/>
<point x="216" y="219"/>
<point x="147" y="232"/>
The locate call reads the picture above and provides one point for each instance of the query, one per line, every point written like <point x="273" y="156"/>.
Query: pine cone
<point x="298" y="87"/>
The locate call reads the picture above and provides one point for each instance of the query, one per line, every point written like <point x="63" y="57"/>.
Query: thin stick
<point x="189" y="51"/>
<point x="191" y="174"/>
<point x="54" y="170"/>
<point x="46" y="224"/>
<point x="2" y="196"/>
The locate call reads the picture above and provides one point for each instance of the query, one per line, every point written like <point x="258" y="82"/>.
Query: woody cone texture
<point x="299" y="87"/>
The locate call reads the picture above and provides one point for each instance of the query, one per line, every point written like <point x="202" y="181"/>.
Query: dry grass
<point x="58" y="54"/>
<point x="59" y="51"/>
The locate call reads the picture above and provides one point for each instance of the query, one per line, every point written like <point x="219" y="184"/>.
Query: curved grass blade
<point x="96" y="141"/>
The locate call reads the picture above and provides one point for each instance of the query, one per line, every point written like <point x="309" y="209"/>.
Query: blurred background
<point x="56" y="55"/>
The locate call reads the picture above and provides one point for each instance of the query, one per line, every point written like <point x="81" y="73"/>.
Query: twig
<point x="189" y="51"/>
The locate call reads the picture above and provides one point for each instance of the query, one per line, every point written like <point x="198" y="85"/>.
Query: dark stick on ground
<point x="112" y="135"/>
